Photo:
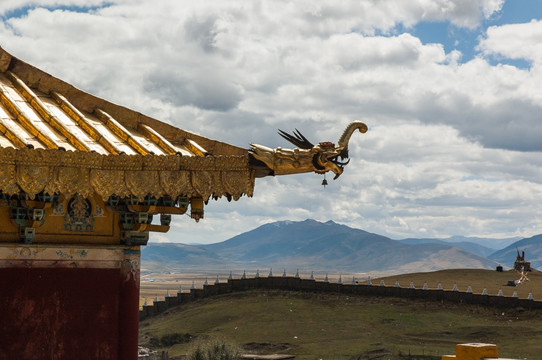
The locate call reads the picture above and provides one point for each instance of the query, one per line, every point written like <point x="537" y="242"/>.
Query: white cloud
<point x="515" y="41"/>
<point x="446" y="152"/>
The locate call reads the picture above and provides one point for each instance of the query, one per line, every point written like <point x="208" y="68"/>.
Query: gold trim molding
<point x="67" y="172"/>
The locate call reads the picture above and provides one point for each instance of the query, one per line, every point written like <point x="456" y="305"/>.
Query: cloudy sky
<point x="450" y="91"/>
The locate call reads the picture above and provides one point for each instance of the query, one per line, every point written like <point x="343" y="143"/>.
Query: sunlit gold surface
<point x="55" y="171"/>
<point x="55" y="138"/>
<point x="318" y="158"/>
<point x="41" y="112"/>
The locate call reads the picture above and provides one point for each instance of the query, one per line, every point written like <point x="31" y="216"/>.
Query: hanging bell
<point x="324" y="182"/>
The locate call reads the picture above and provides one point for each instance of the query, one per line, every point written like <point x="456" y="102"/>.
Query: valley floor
<point x="339" y="326"/>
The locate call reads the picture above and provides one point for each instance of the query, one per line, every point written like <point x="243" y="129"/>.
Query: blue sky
<point x="23" y="7"/>
<point x="464" y="39"/>
<point x="450" y="90"/>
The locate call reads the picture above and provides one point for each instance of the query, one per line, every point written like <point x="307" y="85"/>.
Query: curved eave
<point x="55" y="138"/>
<point x="37" y="79"/>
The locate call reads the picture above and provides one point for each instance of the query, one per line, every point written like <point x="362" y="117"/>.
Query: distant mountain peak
<point x="320" y="246"/>
<point x="306" y="221"/>
<point x="311" y="221"/>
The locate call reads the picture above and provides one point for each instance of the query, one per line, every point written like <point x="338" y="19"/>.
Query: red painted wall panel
<point x="59" y="313"/>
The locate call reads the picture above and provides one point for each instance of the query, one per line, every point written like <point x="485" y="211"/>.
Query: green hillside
<point x="338" y="326"/>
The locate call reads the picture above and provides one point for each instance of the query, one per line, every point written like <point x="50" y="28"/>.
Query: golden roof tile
<point x="57" y="115"/>
<point x="70" y="137"/>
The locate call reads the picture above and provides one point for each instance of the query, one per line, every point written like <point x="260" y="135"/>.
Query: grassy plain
<point x="339" y="326"/>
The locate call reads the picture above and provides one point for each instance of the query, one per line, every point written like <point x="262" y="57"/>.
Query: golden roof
<point x="36" y="120"/>
<point x="55" y="138"/>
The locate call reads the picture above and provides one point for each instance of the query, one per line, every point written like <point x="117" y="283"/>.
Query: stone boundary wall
<point x="309" y="285"/>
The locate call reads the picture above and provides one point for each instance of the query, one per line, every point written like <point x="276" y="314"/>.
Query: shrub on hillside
<point x="215" y="349"/>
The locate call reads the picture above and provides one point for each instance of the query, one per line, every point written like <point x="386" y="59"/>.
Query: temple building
<point x="83" y="182"/>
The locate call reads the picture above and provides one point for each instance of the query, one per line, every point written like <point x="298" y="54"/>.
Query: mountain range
<point x="318" y="246"/>
<point x="531" y="246"/>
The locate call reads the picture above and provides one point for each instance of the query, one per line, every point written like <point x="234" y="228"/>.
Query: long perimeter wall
<point x="309" y="285"/>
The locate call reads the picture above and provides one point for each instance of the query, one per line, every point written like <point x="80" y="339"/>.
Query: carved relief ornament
<point x="33" y="171"/>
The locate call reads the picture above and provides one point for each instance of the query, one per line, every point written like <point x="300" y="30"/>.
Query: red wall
<point x="61" y="313"/>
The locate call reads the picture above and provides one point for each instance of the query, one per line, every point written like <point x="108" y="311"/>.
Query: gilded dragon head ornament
<point x="307" y="157"/>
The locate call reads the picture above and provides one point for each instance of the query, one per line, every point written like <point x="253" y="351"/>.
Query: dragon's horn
<point x="345" y="137"/>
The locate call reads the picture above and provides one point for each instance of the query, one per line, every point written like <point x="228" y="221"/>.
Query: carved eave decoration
<point x="33" y="171"/>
